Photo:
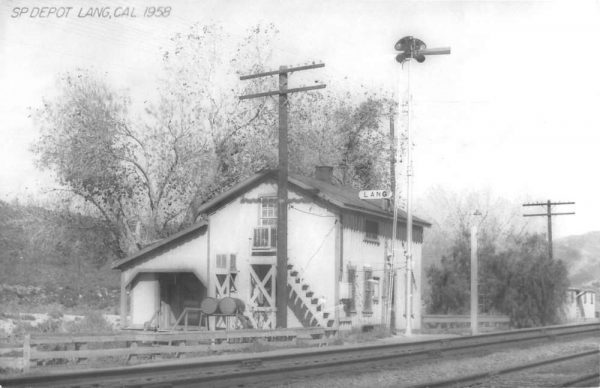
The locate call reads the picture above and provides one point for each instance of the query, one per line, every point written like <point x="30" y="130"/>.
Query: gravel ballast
<point x="443" y="368"/>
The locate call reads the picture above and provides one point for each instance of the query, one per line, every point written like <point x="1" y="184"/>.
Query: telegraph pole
<point x="548" y="204"/>
<point x="281" y="296"/>
<point x="388" y="311"/>
<point x="474" y="278"/>
<point x="410" y="48"/>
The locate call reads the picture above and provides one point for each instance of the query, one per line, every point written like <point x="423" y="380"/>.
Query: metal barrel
<point x="209" y="305"/>
<point x="231" y="306"/>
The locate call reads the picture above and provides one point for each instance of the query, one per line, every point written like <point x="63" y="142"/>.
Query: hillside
<point x="55" y="257"/>
<point x="581" y="255"/>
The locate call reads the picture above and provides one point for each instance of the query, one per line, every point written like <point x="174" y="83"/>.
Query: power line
<point x="548" y="204"/>
<point x="281" y="296"/>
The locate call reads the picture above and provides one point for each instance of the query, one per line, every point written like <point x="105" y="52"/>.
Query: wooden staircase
<point x="304" y="304"/>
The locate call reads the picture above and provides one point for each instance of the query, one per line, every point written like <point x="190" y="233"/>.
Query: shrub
<point x="55" y="314"/>
<point x="92" y="323"/>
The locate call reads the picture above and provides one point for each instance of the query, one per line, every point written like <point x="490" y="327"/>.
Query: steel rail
<point x="471" y="379"/>
<point x="239" y="366"/>
<point x="587" y="381"/>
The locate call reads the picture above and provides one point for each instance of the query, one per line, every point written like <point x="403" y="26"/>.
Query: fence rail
<point x="42" y="348"/>
<point x="458" y="323"/>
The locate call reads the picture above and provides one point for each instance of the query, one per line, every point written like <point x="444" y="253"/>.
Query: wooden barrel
<point x="231" y="306"/>
<point x="209" y="305"/>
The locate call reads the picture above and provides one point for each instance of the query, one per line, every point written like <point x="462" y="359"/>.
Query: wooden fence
<point x="122" y="347"/>
<point x="462" y="323"/>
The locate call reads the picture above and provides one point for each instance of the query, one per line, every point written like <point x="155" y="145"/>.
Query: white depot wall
<point x="145" y="298"/>
<point x="311" y="240"/>
<point x="189" y="256"/>
<point x="312" y="246"/>
<point x="362" y="253"/>
<point x="231" y="232"/>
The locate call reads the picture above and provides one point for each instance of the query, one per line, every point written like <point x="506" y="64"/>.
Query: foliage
<point x="90" y="144"/>
<point x="519" y="281"/>
<point x="580" y="253"/>
<point x="526" y="285"/>
<point x="43" y="248"/>
<point x="145" y="173"/>
<point x="342" y="131"/>
<point x="452" y="215"/>
<point x="92" y="323"/>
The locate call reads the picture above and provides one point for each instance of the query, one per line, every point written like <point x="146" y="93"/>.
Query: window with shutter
<point x="222" y="261"/>
<point x="232" y="263"/>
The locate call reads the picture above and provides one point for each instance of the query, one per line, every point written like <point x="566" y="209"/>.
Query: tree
<point x="515" y="277"/>
<point x="139" y="178"/>
<point x="345" y="131"/>
<point x="526" y="284"/>
<point x="200" y="90"/>
<point x="146" y="176"/>
<point x="146" y="173"/>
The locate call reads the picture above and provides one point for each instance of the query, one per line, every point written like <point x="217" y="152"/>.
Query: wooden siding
<point x="369" y="255"/>
<point x="357" y="223"/>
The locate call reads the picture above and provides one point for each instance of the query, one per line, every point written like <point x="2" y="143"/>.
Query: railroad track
<point x="259" y="368"/>
<point x="525" y="375"/>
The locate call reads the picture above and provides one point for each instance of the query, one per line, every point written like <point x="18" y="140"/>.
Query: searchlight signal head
<point x="410" y="47"/>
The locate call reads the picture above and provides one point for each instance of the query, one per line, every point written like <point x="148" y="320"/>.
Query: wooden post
<point x="26" y="353"/>
<point x="549" y="212"/>
<point x="282" y="197"/>
<point x="123" y="307"/>
<point x="474" y="281"/>
<point x="548" y="204"/>
<point x="281" y="296"/>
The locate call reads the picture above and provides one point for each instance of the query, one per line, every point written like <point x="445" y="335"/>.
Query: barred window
<point x="265" y="237"/>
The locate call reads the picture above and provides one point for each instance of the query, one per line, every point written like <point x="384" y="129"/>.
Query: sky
<point x="511" y="110"/>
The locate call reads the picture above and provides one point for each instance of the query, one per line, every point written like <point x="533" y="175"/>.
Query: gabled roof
<point x="344" y="198"/>
<point x="341" y="197"/>
<point x="165" y="243"/>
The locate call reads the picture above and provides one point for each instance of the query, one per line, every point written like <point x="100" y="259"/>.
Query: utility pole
<point x="474" y="278"/>
<point x="281" y="296"/>
<point x="410" y="48"/>
<point x="389" y="307"/>
<point x="548" y="204"/>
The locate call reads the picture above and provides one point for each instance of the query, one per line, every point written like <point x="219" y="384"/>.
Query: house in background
<point x="581" y="304"/>
<point x="338" y="258"/>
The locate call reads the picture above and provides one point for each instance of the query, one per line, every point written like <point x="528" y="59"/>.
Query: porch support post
<point x="123" y="307"/>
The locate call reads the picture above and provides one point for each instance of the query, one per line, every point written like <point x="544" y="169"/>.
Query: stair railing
<point x="297" y="287"/>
